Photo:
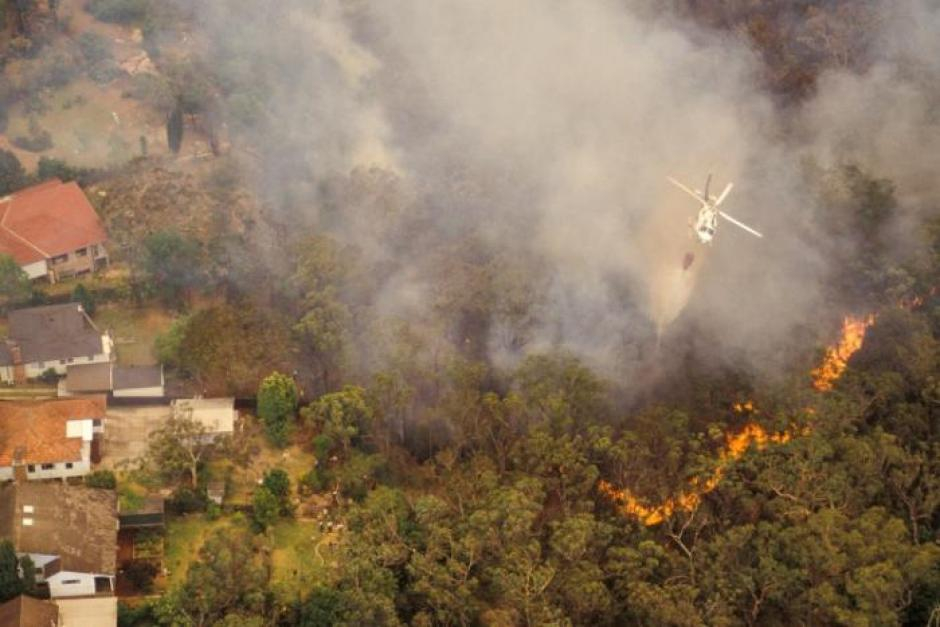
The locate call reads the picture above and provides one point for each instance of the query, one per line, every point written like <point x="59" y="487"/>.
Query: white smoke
<point x="546" y="129"/>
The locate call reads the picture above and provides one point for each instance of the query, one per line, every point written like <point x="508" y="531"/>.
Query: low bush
<point x="104" y="479"/>
<point x="185" y="500"/>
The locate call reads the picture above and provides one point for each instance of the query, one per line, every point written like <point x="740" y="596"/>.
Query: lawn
<point x="252" y="457"/>
<point x="90" y="125"/>
<point x="114" y="278"/>
<point x="301" y="556"/>
<point x="184" y="536"/>
<point x="134" y="330"/>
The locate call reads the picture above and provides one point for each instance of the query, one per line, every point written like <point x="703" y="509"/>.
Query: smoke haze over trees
<point x="441" y="252"/>
<point x="535" y="140"/>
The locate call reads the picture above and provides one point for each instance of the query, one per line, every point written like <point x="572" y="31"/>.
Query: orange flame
<point x="833" y="365"/>
<point x="735" y="446"/>
<point x="837" y="356"/>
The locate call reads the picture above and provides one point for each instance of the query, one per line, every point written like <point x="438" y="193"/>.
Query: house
<point x="70" y="532"/>
<point x="49" y="439"/>
<point x="24" y="611"/>
<point x="108" y="377"/>
<point x="51" y="337"/>
<point x="217" y="415"/>
<point x="52" y="231"/>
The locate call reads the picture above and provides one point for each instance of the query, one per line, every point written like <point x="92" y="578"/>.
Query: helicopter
<point x="707" y="221"/>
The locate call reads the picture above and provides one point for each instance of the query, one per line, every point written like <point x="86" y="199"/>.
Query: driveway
<point x="126" y="431"/>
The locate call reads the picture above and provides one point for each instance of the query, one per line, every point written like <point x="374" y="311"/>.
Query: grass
<point x="114" y="277"/>
<point x="257" y="456"/>
<point x="184" y="536"/>
<point x="134" y="330"/>
<point x="129" y="497"/>
<point x="81" y="118"/>
<point x="297" y="565"/>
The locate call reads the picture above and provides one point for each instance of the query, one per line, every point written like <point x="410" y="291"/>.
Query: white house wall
<point x="59" y="470"/>
<point x="71" y="584"/>
<point x="36" y="270"/>
<point x="37" y="368"/>
<point x="139" y="392"/>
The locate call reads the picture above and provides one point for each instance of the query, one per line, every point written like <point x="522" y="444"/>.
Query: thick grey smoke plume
<point x="545" y="129"/>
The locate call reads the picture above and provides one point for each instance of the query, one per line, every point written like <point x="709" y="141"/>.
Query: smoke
<point x="885" y="118"/>
<point x="542" y="131"/>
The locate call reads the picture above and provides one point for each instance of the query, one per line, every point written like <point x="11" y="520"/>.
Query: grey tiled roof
<point x="51" y="333"/>
<point x="128" y="377"/>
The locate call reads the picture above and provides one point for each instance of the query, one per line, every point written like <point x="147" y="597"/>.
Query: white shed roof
<point x="217" y="415"/>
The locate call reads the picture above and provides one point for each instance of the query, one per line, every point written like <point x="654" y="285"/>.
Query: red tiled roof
<point x="38" y="428"/>
<point x="46" y="220"/>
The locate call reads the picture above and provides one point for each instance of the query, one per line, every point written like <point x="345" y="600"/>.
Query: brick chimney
<point x="19" y="369"/>
<point x="19" y="469"/>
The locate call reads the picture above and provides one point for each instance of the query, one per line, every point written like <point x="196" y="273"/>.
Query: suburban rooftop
<point x="48" y="219"/>
<point x="77" y="523"/>
<point x="36" y="432"/>
<point x="51" y="332"/>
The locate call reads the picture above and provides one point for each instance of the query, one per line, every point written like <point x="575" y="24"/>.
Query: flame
<point x="824" y="377"/>
<point x="735" y="446"/>
<point x="837" y="356"/>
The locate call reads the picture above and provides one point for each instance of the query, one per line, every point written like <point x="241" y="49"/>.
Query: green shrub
<point x="185" y="500"/>
<point x="265" y="508"/>
<point x="312" y="482"/>
<point x="86" y="298"/>
<point x="322" y="445"/>
<point x="277" y="405"/>
<point x="141" y="574"/>
<point x="49" y="376"/>
<point x="12" y="173"/>
<point x="50" y="168"/>
<point x="104" y="479"/>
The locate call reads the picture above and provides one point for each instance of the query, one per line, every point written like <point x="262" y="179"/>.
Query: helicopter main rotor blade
<point x="707" y="183"/>
<point x="686" y="189"/>
<point x="740" y="224"/>
<point x="724" y="194"/>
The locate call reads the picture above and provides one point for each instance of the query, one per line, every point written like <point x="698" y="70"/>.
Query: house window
<point x="70" y="360"/>
<point x="81" y="252"/>
<point x="27" y="509"/>
<point x="61" y="362"/>
<point x="68" y="465"/>
<point x="31" y="468"/>
<point x="96" y="422"/>
<point x="48" y="466"/>
<point x="27" y="522"/>
<point x="71" y="581"/>
<point x="60" y="259"/>
<point x="42" y="364"/>
<point x="38" y="571"/>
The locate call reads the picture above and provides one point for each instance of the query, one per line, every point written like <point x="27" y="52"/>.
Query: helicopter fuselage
<point x="706" y="224"/>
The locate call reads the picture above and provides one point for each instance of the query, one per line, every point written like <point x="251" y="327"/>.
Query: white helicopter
<point x="707" y="221"/>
